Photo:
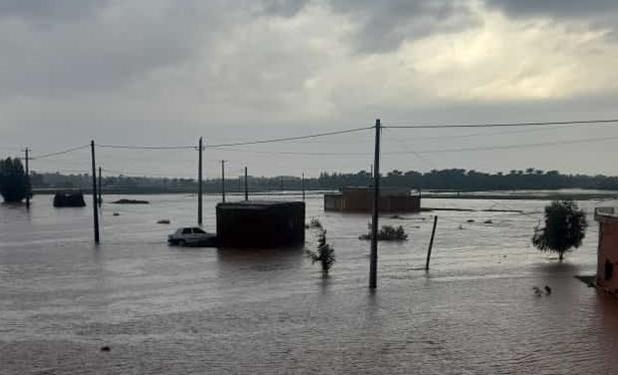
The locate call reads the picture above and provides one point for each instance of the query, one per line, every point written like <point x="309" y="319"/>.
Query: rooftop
<point x="606" y="213"/>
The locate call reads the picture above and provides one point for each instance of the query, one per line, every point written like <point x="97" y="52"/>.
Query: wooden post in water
<point x="373" y="261"/>
<point x="199" y="182"/>
<point x="433" y="233"/>
<point x="95" y="206"/>
<point x="28" y="186"/>
<point x="246" y="186"/>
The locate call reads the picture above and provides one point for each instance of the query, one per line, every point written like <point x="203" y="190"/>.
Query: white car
<point x="192" y="236"/>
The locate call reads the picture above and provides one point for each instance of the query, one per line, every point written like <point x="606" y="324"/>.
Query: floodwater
<point x="164" y="310"/>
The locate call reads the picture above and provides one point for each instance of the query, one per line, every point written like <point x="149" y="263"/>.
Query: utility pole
<point x="433" y="233"/>
<point x="28" y="186"/>
<point x="373" y="263"/>
<point x="246" y="186"/>
<point x="100" y="200"/>
<point x="199" y="183"/>
<point x="302" y="185"/>
<point x="95" y="209"/>
<point x="223" y="180"/>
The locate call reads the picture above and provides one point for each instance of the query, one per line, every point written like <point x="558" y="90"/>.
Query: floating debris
<point x="116" y="214"/>
<point x="537" y="291"/>
<point x="106" y="348"/>
<point x="547" y="289"/>
<point x="130" y="201"/>
<point x="164" y="221"/>
<point x="470" y="221"/>
<point x="488" y="221"/>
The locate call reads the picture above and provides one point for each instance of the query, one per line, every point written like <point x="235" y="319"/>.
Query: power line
<point x="506" y="147"/>
<point x="285" y="139"/>
<point x="132" y="147"/>
<point x="59" y="152"/>
<point x="504" y="124"/>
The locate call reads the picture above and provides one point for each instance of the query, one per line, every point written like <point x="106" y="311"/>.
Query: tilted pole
<point x="100" y="200"/>
<point x="433" y="233"/>
<point x="199" y="183"/>
<point x="373" y="264"/>
<point x="95" y="209"/>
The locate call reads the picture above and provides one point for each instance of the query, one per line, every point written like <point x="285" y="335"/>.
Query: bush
<point x="325" y="254"/>
<point x="314" y="223"/>
<point x="565" y="228"/>
<point x="13" y="180"/>
<point x="387" y="233"/>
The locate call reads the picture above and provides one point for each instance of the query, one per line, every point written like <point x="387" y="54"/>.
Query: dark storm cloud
<point x="555" y="8"/>
<point x="49" y="10"/>
<point x="91" y="47"/>
<point x="386" y="24"/>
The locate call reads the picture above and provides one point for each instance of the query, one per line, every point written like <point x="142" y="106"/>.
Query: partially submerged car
<point x="192" y="236"/>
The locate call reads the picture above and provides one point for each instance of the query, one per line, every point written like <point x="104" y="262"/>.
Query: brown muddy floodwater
<point x="165" y="310"/>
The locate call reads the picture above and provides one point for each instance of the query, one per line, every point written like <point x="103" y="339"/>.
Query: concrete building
<point x="260" y="224"/>
<point x="360" y="199"/>
<point x="607" y="257"/>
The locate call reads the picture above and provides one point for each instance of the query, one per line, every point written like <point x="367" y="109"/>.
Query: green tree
<point x="565" y="228"/>
<point x="325" y="254"/>
<point x="13" y="180"/>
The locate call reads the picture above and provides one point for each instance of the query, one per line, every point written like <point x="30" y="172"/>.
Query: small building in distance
<point x="360" y="199"/>
<point x="260" y="224"/>
<point x="607" y="255"/>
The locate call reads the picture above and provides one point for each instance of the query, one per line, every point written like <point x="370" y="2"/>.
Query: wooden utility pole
<point x="302" y="185"/>
<point x="28" y="186"/>
<point x="223" y="180"/>
<point x="246" y="186"/>
<point x="433" y="233"/>
<point x="199" y="182"/>
<point x="95" y="206"/>
<point x="373" y="263"/>
<point x="100" y="200"/>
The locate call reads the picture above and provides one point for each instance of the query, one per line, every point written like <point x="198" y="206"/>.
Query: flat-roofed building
<point x="360" y="199"/>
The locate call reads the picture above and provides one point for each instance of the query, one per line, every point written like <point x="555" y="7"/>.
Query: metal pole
<point x="100" y="200"/>
<point x="246" y="186"/>
<point x="199" y="183"/>
<point x="223" y="180"/>
<point x="28" y="186"/>
<point x="302" y="184"/>
<point x="373" y="264"/>
<point x="433" y="233"/>
<point x="95" y="206"/>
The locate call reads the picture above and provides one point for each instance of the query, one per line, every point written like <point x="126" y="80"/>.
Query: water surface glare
<point x="165" y="310"/>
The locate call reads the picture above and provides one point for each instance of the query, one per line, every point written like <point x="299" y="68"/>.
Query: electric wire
<point x="66" y="151"/>
<point x="504" y="124"/>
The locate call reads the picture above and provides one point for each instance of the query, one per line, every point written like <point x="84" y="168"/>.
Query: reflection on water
<point x="190" y="310"/>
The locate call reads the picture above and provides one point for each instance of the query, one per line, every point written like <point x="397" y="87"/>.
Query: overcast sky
<point x="163" y="72"/>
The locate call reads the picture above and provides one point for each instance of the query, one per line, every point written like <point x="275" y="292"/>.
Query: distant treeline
<point x="446" y="179"/>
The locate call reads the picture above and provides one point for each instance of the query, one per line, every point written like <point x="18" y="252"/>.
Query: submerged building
<point x="607" y="256"/>
<point x="360" y="199"/>
<point x="260" y="224"/>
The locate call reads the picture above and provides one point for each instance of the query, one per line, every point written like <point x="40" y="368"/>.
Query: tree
<point x="13" y="180"/>
<point x="565" y="228"/>
<point x="325" y="254"/>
